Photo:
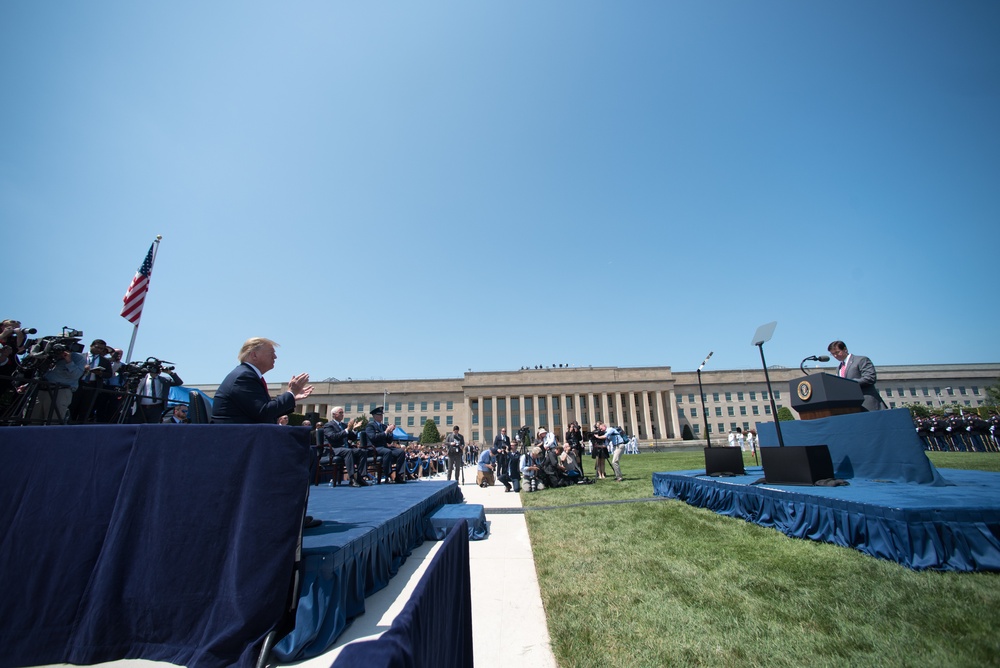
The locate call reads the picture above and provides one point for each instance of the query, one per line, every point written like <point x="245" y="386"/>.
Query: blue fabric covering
<point x="366" y="535"/>
<point x="161" y="542"/>
<point x="434" y="629"/>
<point x="953" y="528"/>
<point x="880" y="445"/>
<point x="441" y="522"/>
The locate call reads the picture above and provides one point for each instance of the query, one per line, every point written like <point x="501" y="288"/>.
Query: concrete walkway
<point x="508" y="621"/>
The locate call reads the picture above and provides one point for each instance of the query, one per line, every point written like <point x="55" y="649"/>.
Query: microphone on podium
<point x="813" y="358"/>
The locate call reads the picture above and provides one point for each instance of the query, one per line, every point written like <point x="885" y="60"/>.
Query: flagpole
<point x="135" y="328"/>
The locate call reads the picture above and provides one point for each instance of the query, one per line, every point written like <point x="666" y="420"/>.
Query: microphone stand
<point x="701" y="393"/>
<point x="802" y="364"/>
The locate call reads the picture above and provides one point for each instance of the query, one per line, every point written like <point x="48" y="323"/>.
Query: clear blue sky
<point x="414" y="189"/>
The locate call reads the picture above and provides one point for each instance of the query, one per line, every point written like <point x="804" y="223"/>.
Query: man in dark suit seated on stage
<point x="242" y="398"/>
<point x="860" y="369"/>
<point x="380" y="437"/>
<point x="342" y="440"/>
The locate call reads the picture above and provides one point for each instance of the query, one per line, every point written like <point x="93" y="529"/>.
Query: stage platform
<point x="366" y="534"/>
<point x="178" y="543"/>
<point x="950" y="527"/>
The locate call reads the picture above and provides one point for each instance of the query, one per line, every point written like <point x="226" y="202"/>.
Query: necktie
<point x="264" y="383"/>
<point x="843" y="370"/>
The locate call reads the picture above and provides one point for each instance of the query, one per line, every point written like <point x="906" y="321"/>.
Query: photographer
<point x="153" y="391"/>
<point x="574" y="440"/>
<point x="509" y="469"/>
<point x="531" y="464"/>
<point x="484" y="469"/>
<point x="12" y="336"/>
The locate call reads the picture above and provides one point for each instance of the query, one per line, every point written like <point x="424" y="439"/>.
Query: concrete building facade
<point x="653" y="403"/>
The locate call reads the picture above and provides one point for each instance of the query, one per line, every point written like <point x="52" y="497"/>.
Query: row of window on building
<point x="730" y="410"/>
<point x="411" y="406"/>
<point x="740" y="396"/>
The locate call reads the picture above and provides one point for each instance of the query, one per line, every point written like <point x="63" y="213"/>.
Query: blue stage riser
<point x="951" y="528"/>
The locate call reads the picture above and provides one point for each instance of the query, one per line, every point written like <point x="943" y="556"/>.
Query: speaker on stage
<point x="796" y="464"/>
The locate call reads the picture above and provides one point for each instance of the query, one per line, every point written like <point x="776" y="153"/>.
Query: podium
<point x="821" y="395"/>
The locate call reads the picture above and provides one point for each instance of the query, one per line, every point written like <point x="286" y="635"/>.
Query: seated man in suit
<point x="379" y="436"/>
<point x="342" y="439"/>
<point x="242" y="398"/>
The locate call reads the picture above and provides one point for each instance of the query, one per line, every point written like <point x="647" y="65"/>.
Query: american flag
<point x="135" y="296"/>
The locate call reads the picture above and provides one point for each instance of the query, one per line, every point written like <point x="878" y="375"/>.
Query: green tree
<point x="430" y="433"/>
<point x="785" y="414"/>
<point x="993" y="394"/>
<point x="918" y="410"/>
<point x="686" y="433"/>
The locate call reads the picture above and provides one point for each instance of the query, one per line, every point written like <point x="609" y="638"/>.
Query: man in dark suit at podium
<point x="860" y="369"/>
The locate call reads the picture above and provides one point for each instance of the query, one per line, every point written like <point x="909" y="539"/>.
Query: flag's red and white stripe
<point x="135" y="296"/>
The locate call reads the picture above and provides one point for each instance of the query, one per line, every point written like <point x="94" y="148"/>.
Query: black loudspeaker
<point x="724" y="461"/>
<point x="312" y="416"/>
<point x="796" y="464"/>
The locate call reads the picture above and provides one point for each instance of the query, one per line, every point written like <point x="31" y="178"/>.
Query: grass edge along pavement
<point x="666" y="584"/>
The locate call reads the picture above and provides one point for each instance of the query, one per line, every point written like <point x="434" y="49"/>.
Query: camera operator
<point x="52" y="401"/>
<point x="153" y="391"/>
<point x="95" y="373"/>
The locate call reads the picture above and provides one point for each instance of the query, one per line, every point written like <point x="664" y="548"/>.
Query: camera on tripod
<point x="150" y="366"/>
<point x="46" y="351"/>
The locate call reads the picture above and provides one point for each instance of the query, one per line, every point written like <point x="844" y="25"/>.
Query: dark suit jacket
<point x="501" y="441"/>
<point x="377" y="438"/>
<point x="102" y="363"/>
<point x="861" y="369"/>
<point x="337" y="435"/>
<point x="243" y="399"/>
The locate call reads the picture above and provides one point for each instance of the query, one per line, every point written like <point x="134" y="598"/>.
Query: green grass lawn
<point x="661" y="583"/>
